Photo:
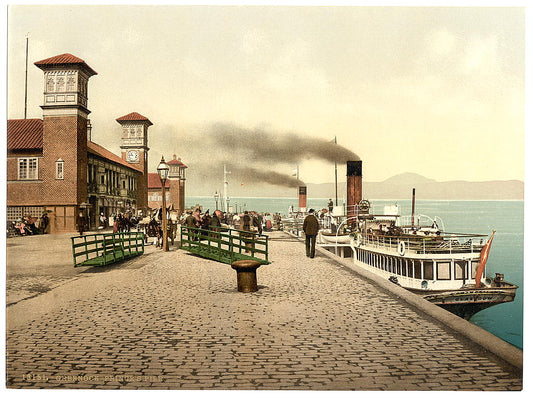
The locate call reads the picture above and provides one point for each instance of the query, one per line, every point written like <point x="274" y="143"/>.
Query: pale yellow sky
<point x="433" y="91"/>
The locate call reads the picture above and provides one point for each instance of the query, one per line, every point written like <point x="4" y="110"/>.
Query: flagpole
<point x="336" y="196"/>
<point x="26" y="82"/>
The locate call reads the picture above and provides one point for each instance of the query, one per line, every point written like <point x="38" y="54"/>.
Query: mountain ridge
<point x="395" y="187"/>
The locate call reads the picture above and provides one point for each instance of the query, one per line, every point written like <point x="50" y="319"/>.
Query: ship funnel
<point x="302" y="198"/>
<point x="354" y="186"/>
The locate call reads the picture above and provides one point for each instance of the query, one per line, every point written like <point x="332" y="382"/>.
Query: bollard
<point x="246" y="277"/>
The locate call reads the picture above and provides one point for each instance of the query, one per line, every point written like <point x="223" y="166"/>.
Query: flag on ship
<point x="483" y="257"/>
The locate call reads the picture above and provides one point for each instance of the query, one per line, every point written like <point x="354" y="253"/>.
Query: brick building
<point x="175" y="187"/>
<point x="52" y="164"/>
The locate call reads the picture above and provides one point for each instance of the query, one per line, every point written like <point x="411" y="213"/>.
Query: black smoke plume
<point x="261" y="145"/>
<point x="252" y="154"/>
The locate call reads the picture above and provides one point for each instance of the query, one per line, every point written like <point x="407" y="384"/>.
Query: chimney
<point x="354" y="186"/>
<point x="302" y="198"/>
<point x="89" y="130"/>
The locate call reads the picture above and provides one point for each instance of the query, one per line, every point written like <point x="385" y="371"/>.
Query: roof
<point x="134" y="117"/>
<point x="24" y="134"/>
<point x="96" y="149"/>
<point x="155" y="182"/>
<point x="178" y="162"/>
<point x="64" y="59"/>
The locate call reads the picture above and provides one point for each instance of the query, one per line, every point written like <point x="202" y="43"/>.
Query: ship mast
<point x="336" y="196"/>
<point x="225" y="206"/>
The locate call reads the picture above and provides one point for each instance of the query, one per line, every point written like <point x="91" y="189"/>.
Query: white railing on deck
<point x="452" y="243"/>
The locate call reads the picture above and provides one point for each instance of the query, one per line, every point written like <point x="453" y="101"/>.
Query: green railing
<point x="104" y="249"/>
<point x="225" y="245"/>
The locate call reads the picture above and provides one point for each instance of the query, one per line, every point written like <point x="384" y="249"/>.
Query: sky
<point x="429" y="90"/>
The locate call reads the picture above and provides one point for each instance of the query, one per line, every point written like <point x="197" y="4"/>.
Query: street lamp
<point x="216" y="199"/>
<point x="162" y="170"/>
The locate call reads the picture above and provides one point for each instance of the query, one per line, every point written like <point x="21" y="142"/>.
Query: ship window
<point x="443" y="271"/>
<point x="403" y="267"/>
<point x="475" y="264"/>
<point x="428" y="270"/>
<point x="418" y="270"/>
<point x="461" y="270"/>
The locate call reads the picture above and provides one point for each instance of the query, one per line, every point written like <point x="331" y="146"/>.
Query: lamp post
<point x="162" y="170"/>
<point x="216" y="199"/>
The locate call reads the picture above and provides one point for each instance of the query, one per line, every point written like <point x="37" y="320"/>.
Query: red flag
<point x="483" y="260"/>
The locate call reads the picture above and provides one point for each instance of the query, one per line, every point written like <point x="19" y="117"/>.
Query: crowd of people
<point x="29" y="225"/>
<point x="248" y="220"/>
<point x="194" y="218"/>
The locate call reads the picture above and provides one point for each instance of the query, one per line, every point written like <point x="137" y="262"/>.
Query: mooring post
<point x="246" y="275"/>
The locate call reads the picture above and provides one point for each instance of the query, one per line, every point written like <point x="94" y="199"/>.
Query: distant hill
<point x="401" y="186"/>
<point x="407" y="179"/>
<point x="397" y="187"/>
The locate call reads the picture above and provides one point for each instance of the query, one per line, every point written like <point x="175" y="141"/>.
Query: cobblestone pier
<point x="176" y="321"/>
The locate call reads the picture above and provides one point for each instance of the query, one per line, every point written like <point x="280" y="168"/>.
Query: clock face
<point x="132" y="156"/>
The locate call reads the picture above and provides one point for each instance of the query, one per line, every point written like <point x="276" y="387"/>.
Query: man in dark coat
<point x="190" y="221"/>
<point x="310" y="229"/>
<point x="214" y="222"/>
<point x="82" y="223"/>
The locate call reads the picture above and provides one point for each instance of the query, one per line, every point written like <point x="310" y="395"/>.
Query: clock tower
<point x="134" y="148"/>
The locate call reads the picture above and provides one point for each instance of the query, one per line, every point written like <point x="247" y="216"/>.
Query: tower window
<point x="50" y="84"/>
<point x="60" y="169"/>
<point x="71" y="83"/>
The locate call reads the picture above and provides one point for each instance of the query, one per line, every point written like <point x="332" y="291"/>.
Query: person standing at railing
<point x="310" y="228"/>
<point x="197" y="219"/>
<point x="190" y="221"/>
<point x="246" y="225"/>
<point x="215" y="223"/>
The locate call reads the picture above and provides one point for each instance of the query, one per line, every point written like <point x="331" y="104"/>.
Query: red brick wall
<point x="142" y="180"/>
<point x="182" y="195"/>
<point x="142" y="184"/>
<point x="23" y="193"/>
<point x="175" y="194"/>
<point x="65" y="137"/>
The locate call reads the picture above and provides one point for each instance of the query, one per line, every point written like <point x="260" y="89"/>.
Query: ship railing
<point x="421" y="221"/>
<point x="294" y="225"/>
<point x="446" y="243"/>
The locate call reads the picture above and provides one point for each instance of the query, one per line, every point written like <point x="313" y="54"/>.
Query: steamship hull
<point x="467" y="302"/>
<point x="443" y="276"/>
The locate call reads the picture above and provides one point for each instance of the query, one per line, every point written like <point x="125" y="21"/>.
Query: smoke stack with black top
<point x="354" y="186"/>
<point x="302" y="198"/>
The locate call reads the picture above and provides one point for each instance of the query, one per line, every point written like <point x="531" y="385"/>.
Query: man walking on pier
<point x="310" y="229"/>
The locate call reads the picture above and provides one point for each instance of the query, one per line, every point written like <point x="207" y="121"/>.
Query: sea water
<point x="477" y="217"/>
